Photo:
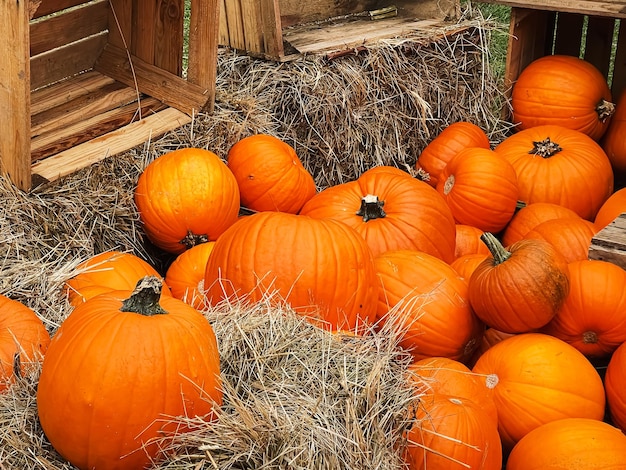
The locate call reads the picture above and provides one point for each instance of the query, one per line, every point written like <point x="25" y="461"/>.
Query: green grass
<point x="501" y="15"/>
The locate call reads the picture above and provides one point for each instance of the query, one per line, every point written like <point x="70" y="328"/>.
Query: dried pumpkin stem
<point x="545" y="148"/>
<point x="371" y="208"/>
<point x="605" y="109"/>
<point x="145" y="298"/>
<point x="499" y="253"/>
<point x="192" y="239"/>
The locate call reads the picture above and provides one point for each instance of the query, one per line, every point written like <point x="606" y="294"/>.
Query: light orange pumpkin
<point x="185" y="276"/>
<point x="571" y="236"/>
<point x="531" y="215"/>
<point x="536" y="379"/>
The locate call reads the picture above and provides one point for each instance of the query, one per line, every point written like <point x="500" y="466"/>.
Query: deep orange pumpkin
<point x="565" y="91"/>
<point x="480" y="188"/>
<point x="613" y="141"/>
<point x="593" y="317"/>
<point x="537" y="378"/>
<point x="559" y="165"/>
<point x="423" y="296"/>
<point x="612" y="207"/>
<point x="571" y="443"/>
<point x="465" y="265"/>
<point x="185" y="276"/>
<point x="270" y="175"/>
<point x="450" y="141"/>
<point x="390" y="211"/>
<point x="106" y="272"/>
<point x="118" y="369"/>
<point x="321" y="267"/>
<point x="468" y="241"/>
<point x="23" y="340"/>
<point x="186" y="197"/>
<point x="531" y="215"/>
<point x="614" y="384"/>
<point x="571" y="236"/>
<point x="452" y="433"/>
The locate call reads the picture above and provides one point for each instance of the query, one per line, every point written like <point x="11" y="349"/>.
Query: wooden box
<point x="282" y="29"/>
<point x="83" y="80"/>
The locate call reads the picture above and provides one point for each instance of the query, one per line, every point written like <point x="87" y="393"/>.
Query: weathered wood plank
<point x="52" y="6"/>
<point x="610" y="243"/>
<point x="168" y="41"/>
<point x="612" y="8"/>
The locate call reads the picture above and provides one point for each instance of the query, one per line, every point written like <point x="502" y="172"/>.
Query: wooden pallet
<point x="610" y="243"/>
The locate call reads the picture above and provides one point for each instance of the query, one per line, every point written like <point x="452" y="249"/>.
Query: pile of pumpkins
<point x="478" y="257"/>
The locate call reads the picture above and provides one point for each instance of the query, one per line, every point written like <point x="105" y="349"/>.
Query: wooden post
<point x="15" y="93"/>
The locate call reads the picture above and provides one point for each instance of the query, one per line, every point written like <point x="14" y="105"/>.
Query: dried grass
<point x="295" y="396"/>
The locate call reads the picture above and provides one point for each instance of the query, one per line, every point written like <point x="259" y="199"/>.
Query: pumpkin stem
<point x="145" y="297"/>
<point x="191" y="239"/>
<point x="545" y="148"/>
<point x="605" y="109"/>
<point x="499" y="253"/>
<point x="371" y="208"/>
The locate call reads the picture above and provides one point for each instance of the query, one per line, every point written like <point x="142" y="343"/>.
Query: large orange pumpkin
<point x="537" y="378"/>
<point x="450" y="141"/>
<point x="519" y="289"/>
<point x="570" y="443"/>
<point x="565" y="91"/>
<point x="186" y="197"/>
<point x="391" y="211"/>
<point x="321" y="267"/>
<point x="531" y="215"/>
<point x="612" y="207"/>
<point x="480" y="188"/>
<point x="559" y="165"/>
<point x="614" y="384"/>
<point x="570" y="236"/>
<point x="613" y="141"/>
<point x="118" y="369"/>
<point x="23" y="340"/>
<point x="593" y="317"/>
<point x="423" y="295"/>
<point x="270" y="175"/>
<point x="185" y="276"/>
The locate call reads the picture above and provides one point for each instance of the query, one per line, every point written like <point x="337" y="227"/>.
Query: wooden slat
<point x="272" y="29"/>
<point x="70" y="136"/>
<point x="169" y="88"/>
<point x="113" y="143"/>
<point x="48" y="7"/>
<point x="15" y="93"/>
<point x="223" y="34"/>
<point x="144" y="19"/>
<point x="612" y="8"/>
<point x="252" y="25"/>
<point x="599" y="43"/>
<point x="68" y="27"/>
<point x="168" y="43"/>
<point x="234" y="20"/>
<point x="66" y="61"/>
<point x="569" y="33"/>
<point x="610" y="243"/>
<point x="120" y="23"/>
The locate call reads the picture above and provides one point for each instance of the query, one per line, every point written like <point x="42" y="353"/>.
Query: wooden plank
<point x="68" y="27"/>
<point x="599" y="43"/>
<point x="120" y="23"/>
<point x="15" y="93"/>
<point x="169" y="29"/>
<point x="234" y="21"/>
<point x="48" y="7"/>
<point x="618" y="82"/>
<point x="569" y="33"/>
<point x="223" y="33"/>
<point x="169" y="88"/>
<point x="65" y="62"/>
<point x="203" y="41"/>
<point x="144" y="29"/>
<point x="612" y="8"/>
<point x="272" y="29"/>
<point x="610" y="243"/>
<point x="72" y="135"/>
<point x="113" y="143"/>
<point x="252" y="25"/>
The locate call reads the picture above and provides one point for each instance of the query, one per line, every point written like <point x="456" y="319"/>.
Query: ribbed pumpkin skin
<point x="613" y="140"/>
<point x="531" y="215"/>
<point x="106" y="272"/>
<point x="453" y="433"/>
<point x="270" y="175"/>
<point x="539" y="379"/>
<point x="417" y="217"/>
<point x="468" y="241"/>
<point x="480" y="188"/>
<point x="108" y="375"/>
<point x="572" y="443"/>
<point x="450" y="141"/>
<point x="23" y="333"/>
<point x="571" y="237"/>
<point x="593" y="317"/>
<point x="561" y="90"/>
<point x="465" y="265"/>
<point x="184" y="194"/>
<point x="311" y="264"/>
<point x="430" y="297"/>
<point x="612" y="207"/>
<point x="614" y="384"/>
<point x="185" y="276"/>
<point x="578" y="177"/>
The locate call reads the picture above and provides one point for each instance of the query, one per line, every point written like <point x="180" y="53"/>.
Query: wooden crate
<point x="284" y="29"/>
<point x="80" y="81"/>
<point x="610" y="243"/>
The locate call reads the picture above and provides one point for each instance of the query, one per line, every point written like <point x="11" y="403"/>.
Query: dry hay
<point x="295" y="397"/>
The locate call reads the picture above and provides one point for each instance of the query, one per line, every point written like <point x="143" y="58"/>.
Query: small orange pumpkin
<point x="185" y="276"/>
<point x="571" y="236"/>
<point x="468" y="241"/>
<point x="531" y="215"/>
<point x="465" y="265"/>
<point x="611" y="209"/>
<point x="613" y="140"/>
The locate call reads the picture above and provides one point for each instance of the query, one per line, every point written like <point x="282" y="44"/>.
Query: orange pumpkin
<point x="468" y="241"/>
<point x="490" y="337"/>
<point x="519" y="289"/>
<point x="593" y="317"/>
<point x="23" y="340"/>
<point x="106" y="272"/>
<point x="571" y="443"/>
<point x="537" y="378"/>
<point x="452" y="433"/>
<point x="391" y="211"/>
<point x="611" y="209"/>
<point x="613" y="140"/>
<point x="614" y="381"/>
<point x="571" y="236"/>
<point x="422" y="294"/>
<point x="564" y="91"/>
<point x="185" y="197"/>
<point x="452" y="139"/>
<point x="269" y="174"/>
<point x="321" y="267"/>
<point x="480" y="188"/>
<point x="118" y="369"/>
<point x="185" y="276"/>
<point x="531" y="215"/>
<point x="465" y="265"/>
<point x="559" y="165"/>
